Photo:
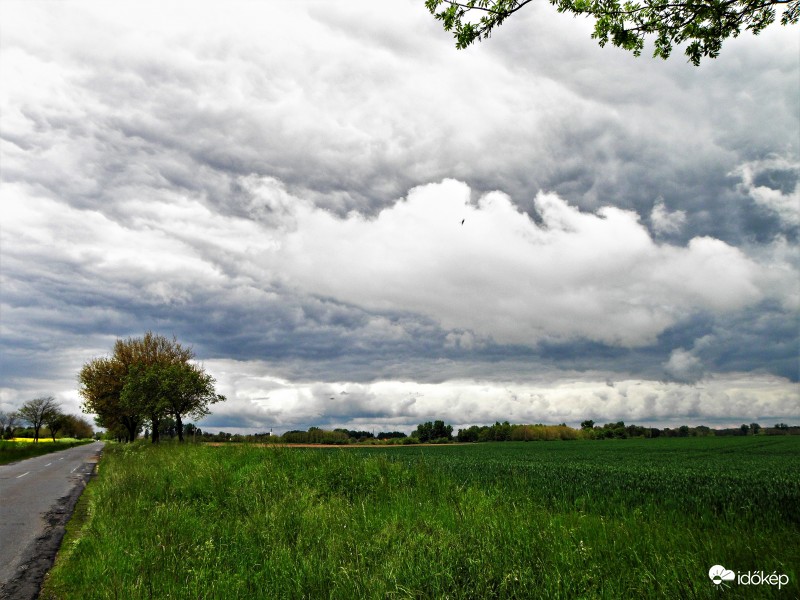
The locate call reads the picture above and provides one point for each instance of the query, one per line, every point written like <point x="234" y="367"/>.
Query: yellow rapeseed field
<point x="44" y="439"/>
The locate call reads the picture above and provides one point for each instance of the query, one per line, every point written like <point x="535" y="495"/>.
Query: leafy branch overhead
<point x="702" y="24"/>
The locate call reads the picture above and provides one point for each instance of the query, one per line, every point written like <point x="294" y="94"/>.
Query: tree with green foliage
<point x="176" y="389"/>
<point x="433" y="430"/>
<point x="101" y="382"/>
<point x="37" y="412"/>
<point x="146" y="379"/>
<point x="702" y="24"/>
<point x="138" y="390"/>
<point x="77" y="427"/>
<point x="441" y="431"/>
<point x="142" y="390"/>
<point x="55" y="421"/>
<point x="423" y="431"/>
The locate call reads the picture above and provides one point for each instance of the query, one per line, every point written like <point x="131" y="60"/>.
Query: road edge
<point x="27" y="583"/>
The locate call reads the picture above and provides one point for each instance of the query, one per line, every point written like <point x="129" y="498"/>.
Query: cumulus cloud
<point x="683" y="366"/>
<point x="774" y="184"/>
<point x="497" y="276"/>
<point x="665" y="221"/>
<point x="501" y="275"/>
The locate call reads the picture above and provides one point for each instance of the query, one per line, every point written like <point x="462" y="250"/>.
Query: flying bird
<point x="462" y="221"/>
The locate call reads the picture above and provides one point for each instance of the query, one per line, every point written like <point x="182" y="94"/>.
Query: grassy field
<point x="582" y="519"/>
<point x="20" y="448"/>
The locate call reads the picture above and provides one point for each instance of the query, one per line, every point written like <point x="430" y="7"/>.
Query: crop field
<point x="577" y="519"/>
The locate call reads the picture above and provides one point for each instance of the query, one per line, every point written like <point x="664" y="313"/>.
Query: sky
<point x="354" y="224"/>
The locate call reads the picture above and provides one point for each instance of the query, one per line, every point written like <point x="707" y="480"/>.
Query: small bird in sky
<point x="462" y="221"/>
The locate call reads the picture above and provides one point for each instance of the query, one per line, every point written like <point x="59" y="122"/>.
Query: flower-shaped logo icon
<point x="718" y="574"/>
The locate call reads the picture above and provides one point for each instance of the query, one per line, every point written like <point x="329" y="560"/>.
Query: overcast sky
<point x="355" y="224"/>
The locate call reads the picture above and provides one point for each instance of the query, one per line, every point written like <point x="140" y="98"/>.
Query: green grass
<point x="14" y="450"/>
<point x="615" y="519"/>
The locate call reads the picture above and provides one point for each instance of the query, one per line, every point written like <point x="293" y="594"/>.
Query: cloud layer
<point x="293" y="202"/>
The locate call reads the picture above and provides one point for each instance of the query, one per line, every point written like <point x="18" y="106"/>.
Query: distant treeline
<point x="507" y="432"/>
<point x="68" y="426"/>
<point x="438" y="432"/>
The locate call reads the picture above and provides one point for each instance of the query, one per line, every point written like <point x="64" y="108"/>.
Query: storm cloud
<point x="328" y="198"/>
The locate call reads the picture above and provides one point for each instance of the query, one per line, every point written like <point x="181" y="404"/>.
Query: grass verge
<point x="469" y="522"/>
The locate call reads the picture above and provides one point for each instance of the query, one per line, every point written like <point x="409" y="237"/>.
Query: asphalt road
<point x="37" y="497"/>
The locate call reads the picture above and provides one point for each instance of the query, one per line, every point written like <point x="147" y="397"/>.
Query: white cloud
<point x="683" y="366"/>
<point x="665" y="221"/>
<point x="570" y="398"/>
<point x="500" y="275"/>
<point x="784" y="203"/>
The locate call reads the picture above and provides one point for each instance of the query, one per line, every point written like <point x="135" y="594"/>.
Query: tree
<point x="141" y="391"/>
<point x="174" y="389"/>
<point x="145" y="358"/>
<point x="704" y="24"/>
<point x="55" y="420"/>
<point x="188" y="391"/>
<point x="101" y="382"/>
<point x="429" y="431"/>
<point x="191" y="430"/>
<point x="77" y="427"/>
<point x="588" y="424"/>
<point x="146" y="379"/>
<point x="37" y="411"/>
<point x="423" y="431"/>
<point x="8" y="424"/>
<point x="440" y="430"/>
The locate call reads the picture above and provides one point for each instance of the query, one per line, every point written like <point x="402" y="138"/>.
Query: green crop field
<point x="577" y="519"/>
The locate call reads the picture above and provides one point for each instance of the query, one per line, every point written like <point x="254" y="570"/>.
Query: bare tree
<point x="8" y="424"/>
<point x="37" y="412"/>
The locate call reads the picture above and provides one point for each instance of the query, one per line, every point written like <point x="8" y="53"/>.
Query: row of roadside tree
<point x="42" y="415"/>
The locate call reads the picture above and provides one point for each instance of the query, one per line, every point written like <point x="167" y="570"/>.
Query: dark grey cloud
<point x="152" y="185"/>
<point x="616" y="140"/>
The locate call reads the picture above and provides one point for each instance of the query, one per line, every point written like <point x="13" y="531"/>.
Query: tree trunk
<point x="154" y="435"/>
<point x="131" y="425"/>
<point x="179" y="425"/>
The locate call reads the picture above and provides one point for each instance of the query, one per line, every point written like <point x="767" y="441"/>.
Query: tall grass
<point x="449" y="522"/>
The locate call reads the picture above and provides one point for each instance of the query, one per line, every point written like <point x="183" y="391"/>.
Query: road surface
<point x="37" y="496"/>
